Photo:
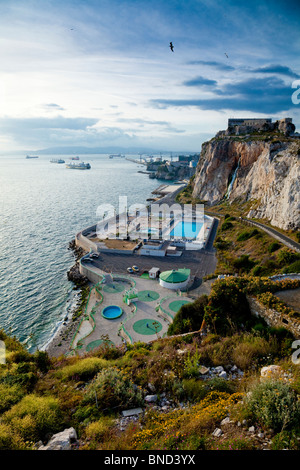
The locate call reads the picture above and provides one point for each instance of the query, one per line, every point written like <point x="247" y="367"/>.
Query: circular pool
<point x="111" y="312"/>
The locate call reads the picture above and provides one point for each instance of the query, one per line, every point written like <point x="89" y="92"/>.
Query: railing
<point x="163" y="310"/>
<point x="122" y="327"/>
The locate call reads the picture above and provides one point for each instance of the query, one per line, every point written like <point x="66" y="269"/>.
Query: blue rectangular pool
<point x="186" y="229"/>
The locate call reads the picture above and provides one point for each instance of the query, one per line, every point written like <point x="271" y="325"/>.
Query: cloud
<point x="30" y="131"/>
<point x="270" y="95"/>
<point x="200" y="81"/>
<point x="53" y="106"/>
<point x="216" y="65"/>
<point x="277" y="69"/>
<point x="42" y="132"/>
<point x="9" y="124"/>
<point x="143" y="122"/>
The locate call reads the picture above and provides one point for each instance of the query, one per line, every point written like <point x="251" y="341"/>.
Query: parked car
<point x="135" y="269"/>
<point x="130" y="270"/>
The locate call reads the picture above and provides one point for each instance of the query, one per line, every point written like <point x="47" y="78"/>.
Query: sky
<point x="100" y="73"/>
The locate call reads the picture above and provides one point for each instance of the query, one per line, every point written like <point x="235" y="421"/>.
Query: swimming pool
<point x="184" y="229"/>
<point x="111" y="312"/>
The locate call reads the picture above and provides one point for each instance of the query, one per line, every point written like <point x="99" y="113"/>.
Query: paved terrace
<point x="200" y="262"/>
<point x="147" y="318"/>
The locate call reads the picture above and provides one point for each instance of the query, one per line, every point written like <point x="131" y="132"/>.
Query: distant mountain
<point x="96" y="150"/>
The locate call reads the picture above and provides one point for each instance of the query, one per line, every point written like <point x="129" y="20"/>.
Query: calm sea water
<point x="42" y="206"/>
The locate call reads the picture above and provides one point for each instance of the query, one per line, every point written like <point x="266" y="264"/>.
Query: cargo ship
<point x="78" y="166"/>
<point x="57" y="160"/>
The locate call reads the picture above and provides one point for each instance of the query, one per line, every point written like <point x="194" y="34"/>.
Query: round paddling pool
<point x="111" y="312"/>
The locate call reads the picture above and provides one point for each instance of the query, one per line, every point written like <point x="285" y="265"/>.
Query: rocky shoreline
<point x="60" y="343"/>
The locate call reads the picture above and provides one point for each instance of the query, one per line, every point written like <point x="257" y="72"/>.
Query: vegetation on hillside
<point x="40" y="396"/>
<point x="243" y="249"/>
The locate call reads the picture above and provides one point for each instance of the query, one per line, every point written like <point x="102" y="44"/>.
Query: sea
<point x="42" y="206"/>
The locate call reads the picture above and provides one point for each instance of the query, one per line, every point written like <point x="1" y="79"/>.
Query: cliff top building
<point x="242" y="126"/>
<point x="248" y="121"/>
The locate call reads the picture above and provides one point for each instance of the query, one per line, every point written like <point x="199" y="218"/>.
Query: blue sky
<point x="100" y="72"/>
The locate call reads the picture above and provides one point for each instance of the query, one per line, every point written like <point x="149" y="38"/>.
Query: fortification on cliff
<point x="243" y="126"/>
<point x="255" y="161"/>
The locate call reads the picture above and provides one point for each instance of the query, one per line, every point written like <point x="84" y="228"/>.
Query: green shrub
<point x="83" y="369"/>
<point x="221" y="244"/>
<point x="194" y="389"/>
<point x="274" y="405"/>
<point x="257" y="270"/>
<point x="251" y="351"/>
<point x="287" y="256"/>
<point x="34" y="417"/>
<point x="269" y="266"/>
<point x="246" y="234"/>
<point x="112" y="388"/>
<point x="9" y="395"/>
<point x="218" y="384"/>
<point x="191" y="365"/>
<point x="286" y="440"/>
<point x="97" y="430"/>
<point x="243" y="263"/>
<point x="227" y="309"/>
<point x="10" y="440"/>
<point x="189" y="317"/>
<point x="226" y="225"/>
<point x="233" y="444"/>
<point x="26" y="380"/>
<point x="84" y="414"/>
<point x="274" y="247"/>
<point x="42" y="361"/>
<point x="20" y="356"/>
<point x="293" y="268"/>
<point x="137" y="349"/>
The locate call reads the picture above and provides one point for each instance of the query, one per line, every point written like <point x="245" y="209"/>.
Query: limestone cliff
<point x="264" y="169"/>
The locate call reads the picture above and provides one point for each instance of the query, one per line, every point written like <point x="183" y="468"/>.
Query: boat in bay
<point x="32" y="156"/>
<point x="57" y="160"/>
<point x="78" y="166"/>
<point x="118" y="155"/>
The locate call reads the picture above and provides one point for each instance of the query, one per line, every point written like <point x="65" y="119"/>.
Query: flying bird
<point x="171" y="46"/>
<point x="226" y="55"/>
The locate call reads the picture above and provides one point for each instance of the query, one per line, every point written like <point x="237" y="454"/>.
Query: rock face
<point x="61" y="440"/>
<point x="264" y="171"/>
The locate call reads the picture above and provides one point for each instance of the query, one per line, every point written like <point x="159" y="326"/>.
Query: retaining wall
<point x="274" y="318"/>
<point x="91" y="275"/>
